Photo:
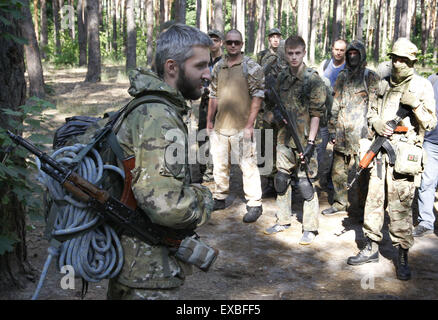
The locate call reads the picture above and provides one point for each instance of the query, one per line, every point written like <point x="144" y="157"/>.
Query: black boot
<point x="219" y="204"/>
<point x="368" y="254"/>
<point x="253" y="214"/>
<point x="403" y="272"/>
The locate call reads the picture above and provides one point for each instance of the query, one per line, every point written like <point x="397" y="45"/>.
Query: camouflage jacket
<point x="272" y="63"/>
<point x="156" y="134"/>
<point x="305" y="102"/>
<point x="350" y="106"/>
<point x="423" y="118"/>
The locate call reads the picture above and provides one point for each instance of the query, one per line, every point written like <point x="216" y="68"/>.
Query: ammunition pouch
<point x="305" y="187"/>
<point x="409" y="158"/>
<point x="281" y="182"/>
<point x="193" y="251"/>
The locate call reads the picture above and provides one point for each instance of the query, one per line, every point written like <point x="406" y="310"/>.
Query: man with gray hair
<point x="161" y="187"/>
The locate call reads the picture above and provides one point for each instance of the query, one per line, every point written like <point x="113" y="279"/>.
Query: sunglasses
<point x="235" y="42"/>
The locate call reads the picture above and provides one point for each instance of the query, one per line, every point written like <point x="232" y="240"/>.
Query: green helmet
<point x="404" y="48"/>
<point x="274" y="31"/>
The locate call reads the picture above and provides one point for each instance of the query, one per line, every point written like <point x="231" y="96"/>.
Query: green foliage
<point x="69" y="50"/>
<point x="11" y="8"/>
<point x="16" y="182"/>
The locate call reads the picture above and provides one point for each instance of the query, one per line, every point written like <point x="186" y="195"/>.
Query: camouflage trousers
<point x="342" y="164"/>
<point x="398" y="190"/>
<point x="118" y="291"/>
<point x="234" y="149"/>
<point x="288" y="162"/>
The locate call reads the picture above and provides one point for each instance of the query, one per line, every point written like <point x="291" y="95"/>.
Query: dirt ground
<point x="251" y="265"/>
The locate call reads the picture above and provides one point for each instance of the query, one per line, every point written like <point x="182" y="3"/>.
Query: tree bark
<point x="271" y="14"/>
<point x="114" y="17"/>
<point x="82" y="32"/>
<point x="252" y="9"/>
<point x="44" y="33"/>
<point x="57" y="22"/>
<point x="14" y="266"/>
<point x="424" y="30"/>
<point x="313" y="29"/>
<point x="35" y="19"/>
<point x="203" y="18"/>
<point x="336" y="23"/>
<point x="150" y="30"/>
<point x="94" y="58"/>
<point x="303" y="16"/>
<point x="376" y="46"/>
<point x="240" y="10"/>
<point x="33" y="60"/>
<point x="260" y="41"/>
<point x="218" y="21"/>
<point x="181" y="7"/>
<point x="279" y="14"/>
<point x="131" y="56"/>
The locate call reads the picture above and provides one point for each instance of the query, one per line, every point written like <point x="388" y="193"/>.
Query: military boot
<point x="253" y="213"/>
<point x="403" y="272"/>
<point x="368" y="254"/>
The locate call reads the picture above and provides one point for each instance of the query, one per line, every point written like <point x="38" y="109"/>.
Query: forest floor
<point x="251" y="265"/>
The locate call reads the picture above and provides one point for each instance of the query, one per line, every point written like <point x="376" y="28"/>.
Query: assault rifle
<point x="382" y="142"/>
<point x="107" y="207"/>
<point x="283" y="116"/>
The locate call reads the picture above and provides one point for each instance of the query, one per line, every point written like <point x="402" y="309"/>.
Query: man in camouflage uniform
<point x="396" y="183"/>
<point x="161" y="186"/>
<point x="236" y="92"/>
<point x="355" y="87"/>
<point x="303" y="94"/>
<point x="273" y="62"/>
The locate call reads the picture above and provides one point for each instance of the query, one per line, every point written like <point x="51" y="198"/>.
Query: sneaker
<point x="332" y="211"/>
<point x="218" y="204"/>
<point x="277" y="228"/>
<point x="420" y="231"/>
<point x="307" y="237"/>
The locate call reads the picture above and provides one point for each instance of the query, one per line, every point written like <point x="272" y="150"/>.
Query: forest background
<point x="37" y="35"/>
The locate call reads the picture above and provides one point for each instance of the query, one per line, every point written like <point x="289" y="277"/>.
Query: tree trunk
<point x="203" y="16"/>
<point x="94" y="58"/>
<point x="150" y="30"/>
<point x="14" y="266"/>
<point x="424" y="31"/>
<point x="240" y="10"/>
<point x="271" y="14"/>
<point x="44" y="33"/>
<point x="33" y="60"/>
<point x="303" y="16"/>
<point x="218" y="21"/>
<point x="114" y="13"/>
<point x="35" y="19"/>
<point x="435" y="41"/>
<point x="260" y="41"/>
<point x="376" y="46"/>
<point x="386" y="8"/>
<point x="57" y="22"/>
<point x="131" y="57"/>
<point x="336" y="23"/>
<point x="252" y="9"/>
<point x="313" y="29"/>
<point x="403" y="22"/>
<point x="82" y="32"/>
<point x="181" y="10"/>
<point x="233" y="14"/>
<point x="279" y="14"/>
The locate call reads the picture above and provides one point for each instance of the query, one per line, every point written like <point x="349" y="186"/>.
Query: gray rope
<point x="96" y="254"/>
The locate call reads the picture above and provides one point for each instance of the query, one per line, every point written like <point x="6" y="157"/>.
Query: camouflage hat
<point x="404" y="48"/>
<point x="216" y="33"/>
<point x="274" y="31"/>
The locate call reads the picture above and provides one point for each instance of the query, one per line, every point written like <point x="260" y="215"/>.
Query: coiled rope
<point x="95" y="254"/>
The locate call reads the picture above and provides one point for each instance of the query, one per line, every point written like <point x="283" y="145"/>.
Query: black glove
<point x="309" y="150"/>
<point x="332" y="137"/>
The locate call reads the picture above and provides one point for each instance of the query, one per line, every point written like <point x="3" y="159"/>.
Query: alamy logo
<point x="68" y="281"/>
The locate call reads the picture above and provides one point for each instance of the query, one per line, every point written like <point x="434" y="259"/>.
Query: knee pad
<point x="306" y="189"/>
<point x="281" y="182"/>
